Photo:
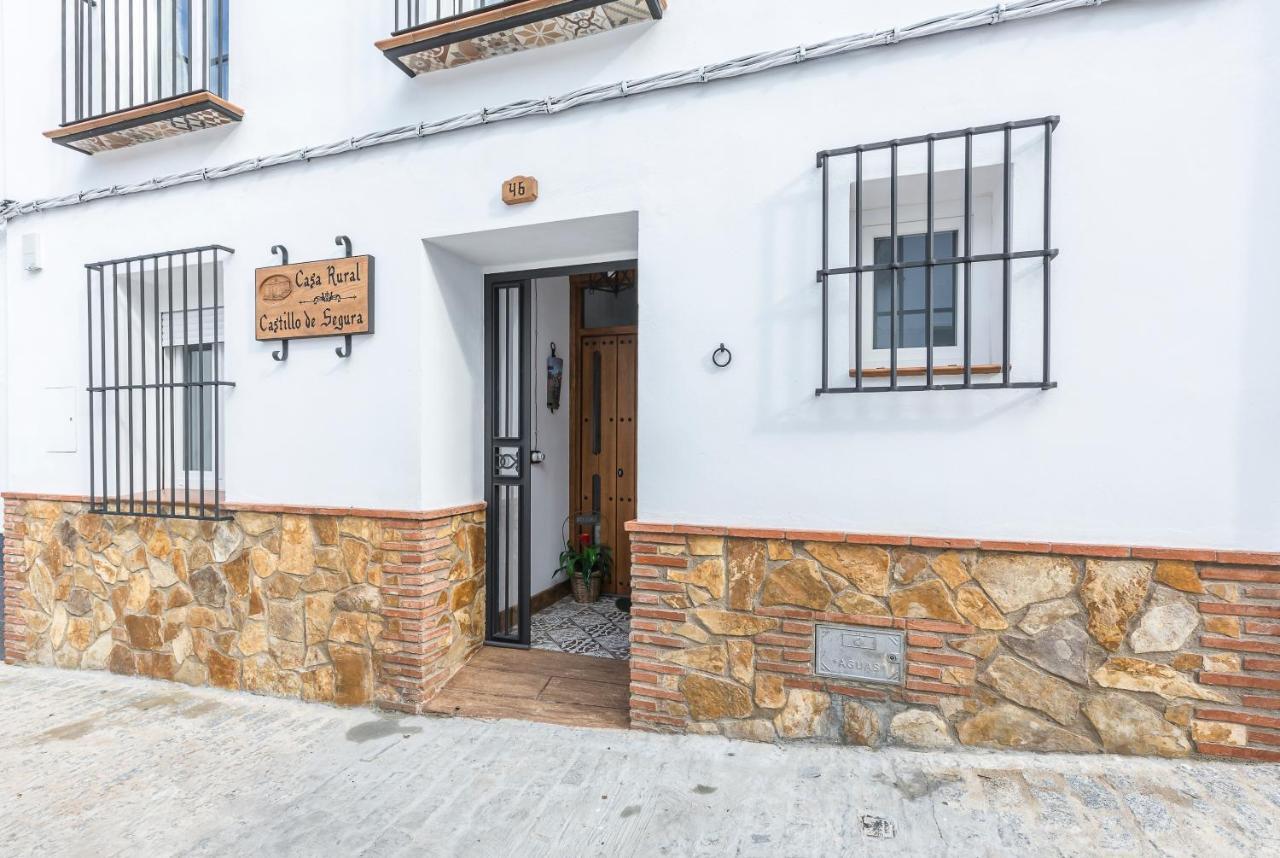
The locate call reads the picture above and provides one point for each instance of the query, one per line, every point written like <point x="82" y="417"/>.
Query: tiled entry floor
<point x="599" y="630"/>
<point x="534" y="685"/>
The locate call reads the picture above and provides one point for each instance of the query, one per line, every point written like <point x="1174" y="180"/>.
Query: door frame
<point x="491" y="280"/>
<point x="500" y="634"/>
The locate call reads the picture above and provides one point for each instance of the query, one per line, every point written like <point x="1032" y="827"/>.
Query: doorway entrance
<point x="560" y="422"/>
<point x="604" y="311"/>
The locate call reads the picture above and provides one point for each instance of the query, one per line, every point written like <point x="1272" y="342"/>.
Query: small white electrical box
<point x="31" y="252"/>
<point x="57" y="419"/>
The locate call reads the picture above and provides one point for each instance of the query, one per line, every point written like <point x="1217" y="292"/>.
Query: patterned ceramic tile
<point x="599" y="630"/>
<point x="158" y="130"/>
<point x="562" y="28"/>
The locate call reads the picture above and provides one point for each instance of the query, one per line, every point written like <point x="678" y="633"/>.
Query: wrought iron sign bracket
<point x="343" y="351"/>
<point x="282" y="354"/>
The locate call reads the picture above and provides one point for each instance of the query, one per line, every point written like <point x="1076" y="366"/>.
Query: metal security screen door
<point x="507" y="420"/>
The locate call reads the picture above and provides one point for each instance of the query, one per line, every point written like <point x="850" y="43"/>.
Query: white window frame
<point x="176" y="350"/>
<point x="948" y="216"/>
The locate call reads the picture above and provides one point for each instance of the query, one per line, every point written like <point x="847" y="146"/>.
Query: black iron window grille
<point x="121" y="54"/>
<point x="156" y="362"/>
<point x="955" y="230"/>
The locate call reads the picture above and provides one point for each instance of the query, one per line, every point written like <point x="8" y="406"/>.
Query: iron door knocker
<point x="722" y="357"/>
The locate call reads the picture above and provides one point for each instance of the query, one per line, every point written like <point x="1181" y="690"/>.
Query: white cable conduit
<point x="1001" y="13"/>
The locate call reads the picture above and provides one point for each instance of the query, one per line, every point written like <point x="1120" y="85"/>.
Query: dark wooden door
<point x="607" y="443"/>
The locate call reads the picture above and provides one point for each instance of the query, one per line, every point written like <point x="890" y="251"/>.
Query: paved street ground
<point x="93" y="764"/>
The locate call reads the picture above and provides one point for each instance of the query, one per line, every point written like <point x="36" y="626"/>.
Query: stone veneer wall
<point x="346" y="607"/>
<point x="1010" y="645"/>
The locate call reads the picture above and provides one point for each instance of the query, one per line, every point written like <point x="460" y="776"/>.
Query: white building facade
<point x="1080" y="444"/>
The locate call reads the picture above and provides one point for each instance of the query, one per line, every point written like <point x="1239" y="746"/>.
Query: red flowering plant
<point x="584" y="559"/>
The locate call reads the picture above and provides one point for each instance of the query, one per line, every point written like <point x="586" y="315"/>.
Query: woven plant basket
<point x="584" y="593"/>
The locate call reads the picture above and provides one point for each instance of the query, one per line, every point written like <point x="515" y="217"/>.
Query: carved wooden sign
<point x="328" y="298"/>
<point x="519" y="190"/>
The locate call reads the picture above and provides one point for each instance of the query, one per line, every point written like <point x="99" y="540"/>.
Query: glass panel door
<point x="507" y="385"/>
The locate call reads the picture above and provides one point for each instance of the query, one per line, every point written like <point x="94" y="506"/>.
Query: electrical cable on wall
<point x="1001" y="13"/>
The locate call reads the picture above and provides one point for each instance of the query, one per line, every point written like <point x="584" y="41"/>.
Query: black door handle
<point x="619" y="471"/>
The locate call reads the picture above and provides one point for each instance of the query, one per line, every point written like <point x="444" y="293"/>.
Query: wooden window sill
<point x="919" y="371"/>
<point x="509" y="28"/>
<point x="157" y="121"/>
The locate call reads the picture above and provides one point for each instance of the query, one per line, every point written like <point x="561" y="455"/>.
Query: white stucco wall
<point x="549" y="488"/>
<point x="1162" y="431"/>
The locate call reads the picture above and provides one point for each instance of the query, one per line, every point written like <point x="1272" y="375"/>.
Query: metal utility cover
<point x="867" y="655"/>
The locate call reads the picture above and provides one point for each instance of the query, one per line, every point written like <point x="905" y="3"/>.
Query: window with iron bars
<point x="122" y="54"/>
<point x="155" y="334"/>
<point x="937" y="249"/>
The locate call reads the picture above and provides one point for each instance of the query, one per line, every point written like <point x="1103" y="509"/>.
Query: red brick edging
<point x="1198" y="555"/>
<point x="290" y="509"/>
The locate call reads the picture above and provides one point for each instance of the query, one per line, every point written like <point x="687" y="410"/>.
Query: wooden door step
<point x="534" y="685"/>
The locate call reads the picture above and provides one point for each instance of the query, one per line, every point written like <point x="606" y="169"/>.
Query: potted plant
<point x="587" y="565"/>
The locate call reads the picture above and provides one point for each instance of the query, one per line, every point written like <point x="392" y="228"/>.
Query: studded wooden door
<point x="607" y="444"/>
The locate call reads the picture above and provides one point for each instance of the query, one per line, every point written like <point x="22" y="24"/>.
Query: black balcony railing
<point x="411" y="14"/>
<point x="122" y="54"/>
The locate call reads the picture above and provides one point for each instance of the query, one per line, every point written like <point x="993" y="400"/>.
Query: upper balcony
<point x="140" y="70"/>
<point x="431" y="35"/>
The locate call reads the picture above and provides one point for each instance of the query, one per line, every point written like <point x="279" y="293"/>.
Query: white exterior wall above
<point x="1162" y="429"/>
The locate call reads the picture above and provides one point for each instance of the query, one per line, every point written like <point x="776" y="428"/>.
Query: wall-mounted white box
<point x="58" y="419"/>
<point x="31" y="252"/>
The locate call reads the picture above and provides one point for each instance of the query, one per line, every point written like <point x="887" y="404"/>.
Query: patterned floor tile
<point x="599" y="630"/>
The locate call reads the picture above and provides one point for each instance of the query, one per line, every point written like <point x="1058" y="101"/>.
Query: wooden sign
<point x="519" y="190"/>
<point x="329" y="298"/>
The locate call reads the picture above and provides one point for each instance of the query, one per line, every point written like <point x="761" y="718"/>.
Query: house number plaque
<point x="867" y="655"/>
<point x="519" y="190"/>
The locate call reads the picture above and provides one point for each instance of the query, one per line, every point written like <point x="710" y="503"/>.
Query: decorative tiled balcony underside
<point x="510" y="29"/>
<point x="195" y="112"/>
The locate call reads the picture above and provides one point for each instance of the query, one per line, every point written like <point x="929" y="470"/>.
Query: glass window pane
<point x="911" y="291"/>
<point x="611" y="306"/>
<point x="912" y="336"/>
<point x="944" y="328"/>
<point x="944" y="287"/>
<point x="883" y="256"/>
<point x="911" y="248"/>
<point x="882" y="332"/>
<point x="911" y="283"/>
<point x="944" y="244"/>
<point x="198" y="409"/>
<point x="883" y="306"/>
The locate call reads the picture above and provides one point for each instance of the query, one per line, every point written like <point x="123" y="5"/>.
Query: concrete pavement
<point x="93" y="764"/>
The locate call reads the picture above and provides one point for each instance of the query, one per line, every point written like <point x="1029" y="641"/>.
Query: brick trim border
<point x="416" y="595"/>
<point x="288" y="509"/>
<point x="15" y="581"/>
<point x="1073" y="549"/>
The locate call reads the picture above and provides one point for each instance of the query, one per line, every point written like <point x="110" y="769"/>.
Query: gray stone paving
<point x="93" y="764"/>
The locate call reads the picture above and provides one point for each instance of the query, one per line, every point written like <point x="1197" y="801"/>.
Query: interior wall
<point x="549" y="484"/>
